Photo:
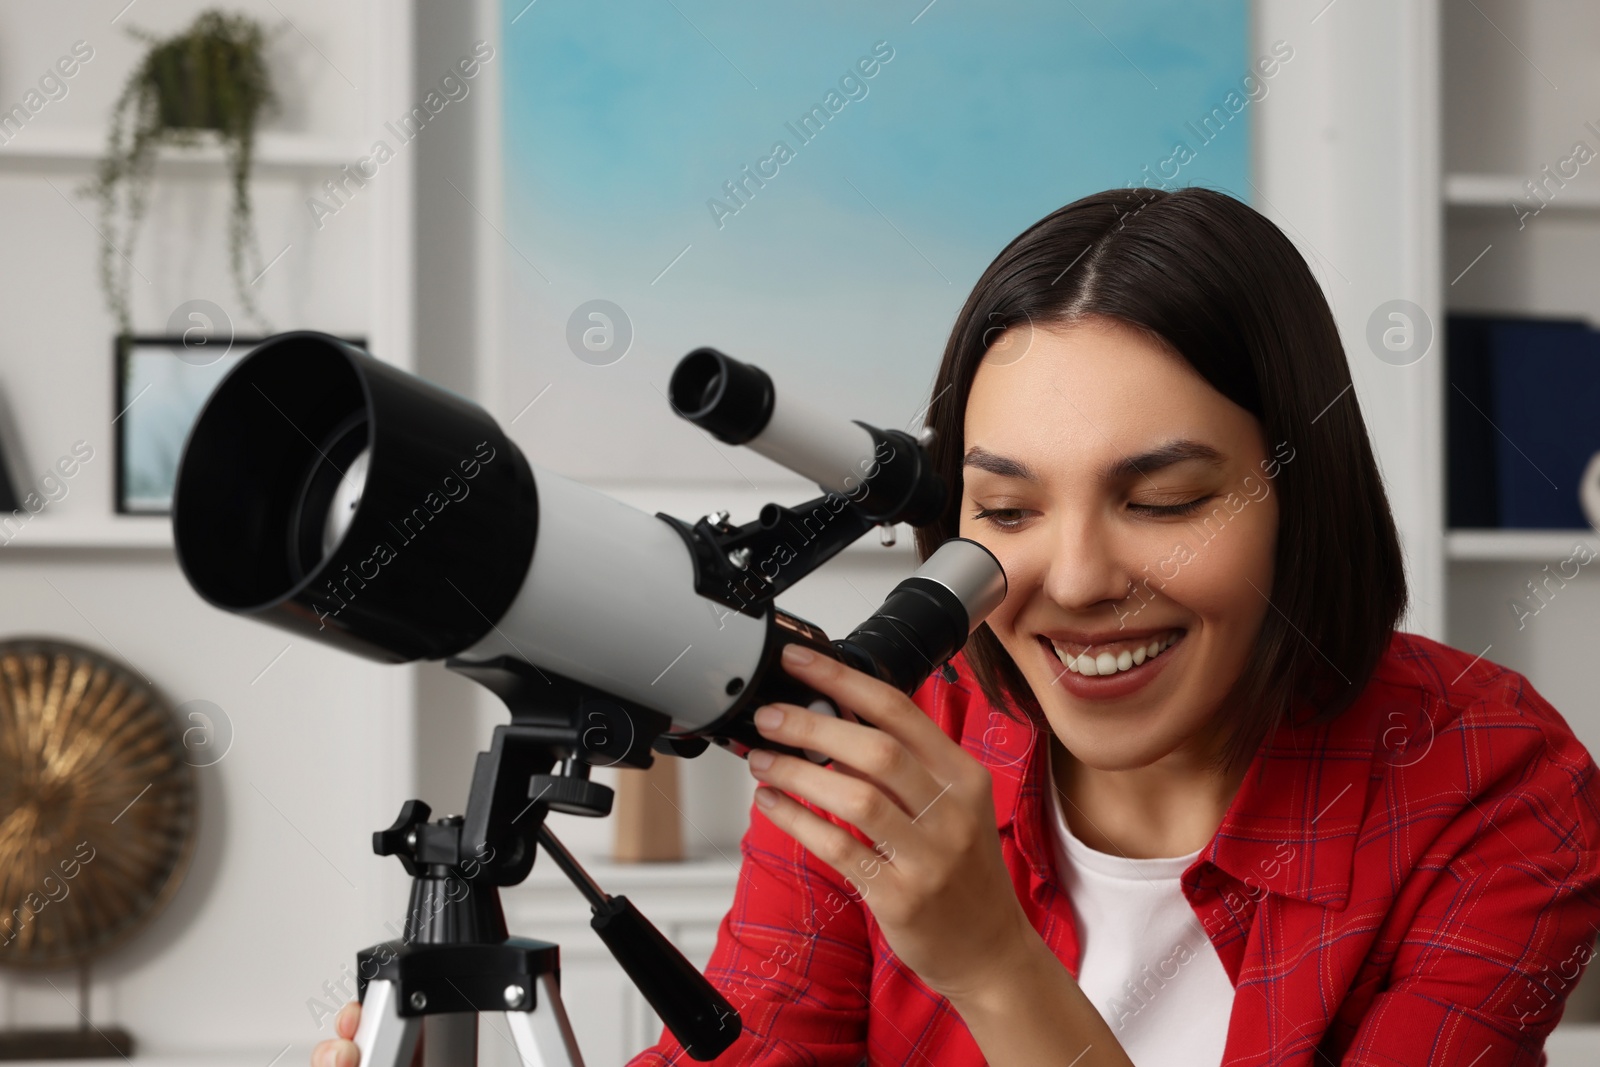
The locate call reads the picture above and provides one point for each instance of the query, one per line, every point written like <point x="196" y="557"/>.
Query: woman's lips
<point x="1110" y="657"/>
<point x="1119" y="682"/>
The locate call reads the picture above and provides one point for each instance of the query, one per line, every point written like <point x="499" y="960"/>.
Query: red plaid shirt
<point x="1415" y="883"/>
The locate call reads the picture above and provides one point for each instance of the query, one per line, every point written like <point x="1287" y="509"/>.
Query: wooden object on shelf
<point x="647" y="814"/>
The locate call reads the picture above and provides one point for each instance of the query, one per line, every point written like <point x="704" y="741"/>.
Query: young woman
<point x="1191" y="798"/>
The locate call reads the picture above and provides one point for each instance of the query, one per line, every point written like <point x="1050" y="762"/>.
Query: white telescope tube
<point x="609" y="601"/>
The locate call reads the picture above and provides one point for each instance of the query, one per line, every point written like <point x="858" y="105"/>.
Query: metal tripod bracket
<point x="436" y="983"/>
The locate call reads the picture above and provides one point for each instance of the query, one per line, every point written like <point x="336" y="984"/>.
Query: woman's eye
<point x="1171" y="509"/>
<point x="999" y="518"/>
<point x="1013" y="518"/>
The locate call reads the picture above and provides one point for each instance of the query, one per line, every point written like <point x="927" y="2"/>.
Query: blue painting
<point x="814" y="189"/>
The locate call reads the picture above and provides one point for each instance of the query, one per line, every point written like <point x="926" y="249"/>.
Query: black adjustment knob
<point x="570" y="796"/>
<point x="399" y="839"/>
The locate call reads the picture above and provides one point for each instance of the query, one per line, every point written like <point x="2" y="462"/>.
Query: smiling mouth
<point x="1115" y="657"/>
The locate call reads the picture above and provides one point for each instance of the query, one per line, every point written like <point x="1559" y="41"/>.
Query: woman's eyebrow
<point x="1147" y="462"/>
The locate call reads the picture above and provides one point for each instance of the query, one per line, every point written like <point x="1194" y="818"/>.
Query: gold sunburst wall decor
<point x="97" y="803"/>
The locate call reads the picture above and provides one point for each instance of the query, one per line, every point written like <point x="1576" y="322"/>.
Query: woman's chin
<point x="1110" y="752"/>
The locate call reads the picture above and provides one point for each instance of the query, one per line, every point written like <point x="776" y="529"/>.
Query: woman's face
<point x="1130" y="505"/>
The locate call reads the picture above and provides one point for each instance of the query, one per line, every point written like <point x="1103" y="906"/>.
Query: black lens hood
<point x="435" y="552"/>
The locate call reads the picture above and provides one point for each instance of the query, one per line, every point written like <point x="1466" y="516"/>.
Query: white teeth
<point x="1113" y="663"/>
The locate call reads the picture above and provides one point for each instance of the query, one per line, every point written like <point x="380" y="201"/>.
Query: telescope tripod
<point x="454" y="963"/>
<point x="456" y="959"/>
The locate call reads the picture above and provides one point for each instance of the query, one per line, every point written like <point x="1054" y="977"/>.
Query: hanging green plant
<point x="211" y="79"/>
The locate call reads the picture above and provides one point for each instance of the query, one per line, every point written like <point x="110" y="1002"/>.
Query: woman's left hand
<point x="936" y="883"/>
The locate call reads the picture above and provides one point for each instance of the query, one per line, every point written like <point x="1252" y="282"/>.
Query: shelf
<point x="52" y="533"/>
<point x="1500" y="190"/>
<point x="81" y="149"/>
<point x="1535" y="546"/>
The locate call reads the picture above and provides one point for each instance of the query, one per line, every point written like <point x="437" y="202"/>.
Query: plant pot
<point x="185" y="95"/>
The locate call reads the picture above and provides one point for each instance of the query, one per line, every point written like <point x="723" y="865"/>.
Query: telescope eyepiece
<point x="885" y="473"/>
<point x="728" y="399"/>
<point x="927" y="618"/>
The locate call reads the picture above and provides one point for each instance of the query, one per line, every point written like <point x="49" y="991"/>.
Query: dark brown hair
<point x="1209" y="277"/>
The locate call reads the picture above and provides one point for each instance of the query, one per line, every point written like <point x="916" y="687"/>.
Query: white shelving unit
<point x="1519" y="86"/>
<point x="79" y="571"/>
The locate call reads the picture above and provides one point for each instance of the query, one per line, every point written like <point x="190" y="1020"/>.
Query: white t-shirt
<point x="1145" y="962"/>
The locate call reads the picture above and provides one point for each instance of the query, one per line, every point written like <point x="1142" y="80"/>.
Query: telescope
<point x="328" y="493"/>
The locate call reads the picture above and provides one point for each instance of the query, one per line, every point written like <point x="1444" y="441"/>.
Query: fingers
<point x="877" y="702"/>
<point x="340" y="1051"/>
<point x="349" y="1017"/>
<point x="868" y="763"/>
<point x="335" y="1052"/>
<point x="833" y="845"/>
<point x="859" y="802"/>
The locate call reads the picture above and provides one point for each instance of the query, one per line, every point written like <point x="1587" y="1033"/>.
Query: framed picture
<point x="162" y="382"/>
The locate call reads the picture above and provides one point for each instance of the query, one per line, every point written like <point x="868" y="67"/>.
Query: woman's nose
<point x="1085" y="569"/>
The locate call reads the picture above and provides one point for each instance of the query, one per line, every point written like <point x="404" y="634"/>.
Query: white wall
<point x="1379" y="101"/>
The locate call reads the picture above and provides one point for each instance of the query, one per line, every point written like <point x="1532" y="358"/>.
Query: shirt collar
<point x="1292" y="826"/>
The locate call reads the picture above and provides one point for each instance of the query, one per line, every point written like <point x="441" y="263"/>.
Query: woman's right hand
<point x="340" y="1051"/>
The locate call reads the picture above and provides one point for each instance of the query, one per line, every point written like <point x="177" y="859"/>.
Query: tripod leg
<point x="384" y="1037"/>
<point x="450" y="1040"/>
<point x="544" y="1036"/>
